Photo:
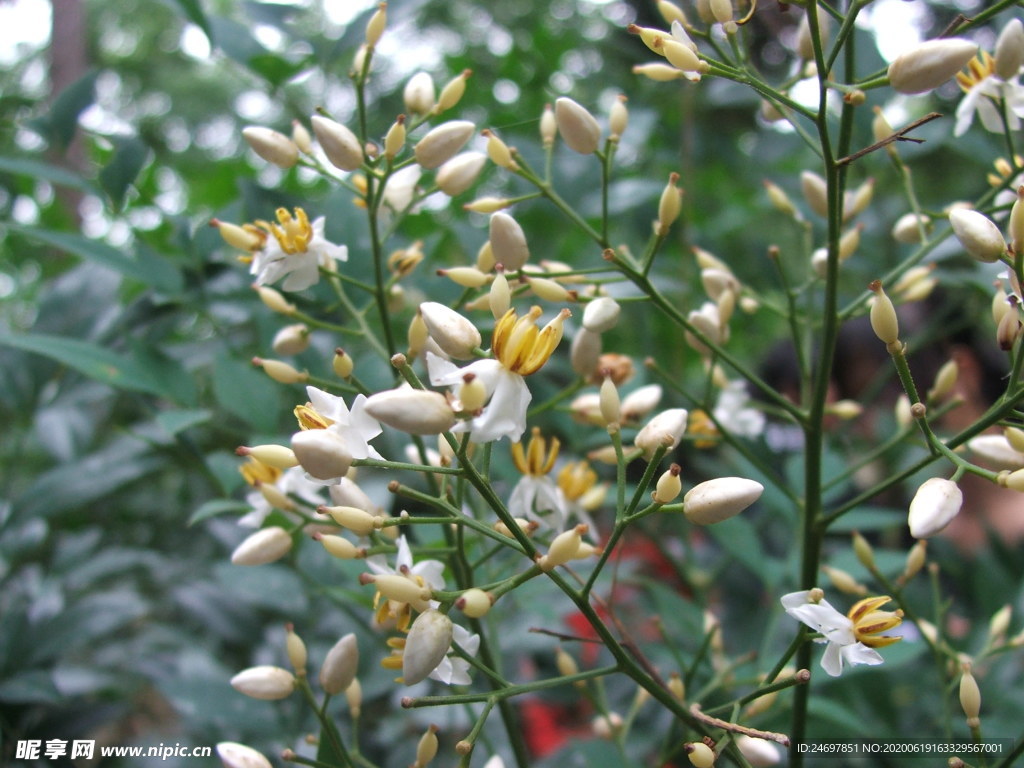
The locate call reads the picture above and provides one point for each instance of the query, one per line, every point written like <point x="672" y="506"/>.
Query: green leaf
<point x="155" y="272"/>
<point x="94" y="361"/>
<point x="33" y="686"/>
<point x="273" y="586"/>
<point x="249" y="394"/>
<point x="176" y="383"/>
<point x="129" y="157"/>
<point x="173" y="422"/>
<point x="216" y="508"/>
<point x="193" y="11"/>
<point x="274" y="69"/>
<point x="236" y="40"/>
<point x="60" y="124"/>
<point x="39" y="170"/>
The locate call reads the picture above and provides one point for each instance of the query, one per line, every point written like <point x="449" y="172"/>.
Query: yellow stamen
<point x="869" y="622"/>
<point x="257" y="473"/>
<point x="537" y="460"/>
<point x="292" y="233"/>
<point x="520" y="346"/>
<point x="310" y="418"/>
<point x="977" y="70"/>
<point x="700" y="425"/>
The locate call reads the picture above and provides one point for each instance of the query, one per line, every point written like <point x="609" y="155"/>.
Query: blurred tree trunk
<point x="68" y="61"/>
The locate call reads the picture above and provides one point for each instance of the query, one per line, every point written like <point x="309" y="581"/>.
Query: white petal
<point x="858" y="653"/>
<point x="832" y="660"/>
<point x="505" y="414"/>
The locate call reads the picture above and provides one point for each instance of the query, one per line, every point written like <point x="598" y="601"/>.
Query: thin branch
<point x="899" y="135"/>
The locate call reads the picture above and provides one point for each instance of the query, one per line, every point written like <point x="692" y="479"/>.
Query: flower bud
<point x="815" y="192"/>
<point x="265" y="682"/>
<point x="676" y="686"/>
<point x="884" y="322"/>
<point x="488" y="204"/>
<point x="296" y="651"/>
<point x="804" y="43"/>
<point x="452" y="92"/>
<point x="996" y="451"/>
<point x="945" y="381"/>
<point x="669" y="486"/>
<point x="323" y="453"/>
<point x="908" y="227"/>
<point x="243" y="238"/>
<point x="359" y="521"/>
<point x="426" y="750"/>
<point x="618" y="118"/>
<point x="601" y="314"/>
<point x="280" y="372"/>
<point x="508" y="243"/>
<point x="977" y="233"/>
<point x="458" y="174"/>
<point x="442" y="143"/>
<point x="375" y="26"/>
<point x="339" y="144"/>
<point x="454" y="334"/>
<point x="354" y="697"/>
<point x="577" y="126"/>
<point x="929" y="64"/>
<point x="780" y="199"/>
<point x="340" y="547"/>
<point x="844" y="581"/>
<point x="563" y="548"/>
<point x="849" y="242"/>
<point x="970" y="697"/>
<point x="760" y="753"/>
<point x="700" y="754"/>
<point x="499" y="299"/>
<point x="418" y="94"/>
<point x="415" y="411"/>
<point x="669" y="206"/>
<point x="880" y="127"/>
<point x="1010" y="50"/>
<point x="272" y="146"/>
<point x="340" y="665"/>
<point x="863" y="550"/>
<point x="394" y="140"/>
<point x="998" y="625"/>
<point x="262" y="547"/>
<point x="234" y="755"/>
<point x="426" y="645"/>
<point x="660" y="73"/>
<point x="467" y="277"/>
<point x="346" y="493"/>
<point x="475" y="602"/>
<point x="277" y="456"/>
<point x="273" y="300"/>
<point x="1017" y="222"/>
<point x="666" y="429"/>
<point x="610" y="404"/>
<point x="400" y="588"/>
<point x="1015" y="437"/>
<point x="342" y="363"/>
<point x="291" y="340"/>
<point x="671" y="12"/>
<point x="640" y="402"/>
<point x="934" y="505"/>
<point x="499" y="152"/>
<point x="715" y="500"/>
<point x="585" y="352"/>
<point x="680" y="55"/>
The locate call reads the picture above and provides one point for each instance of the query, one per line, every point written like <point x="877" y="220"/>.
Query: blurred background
<point x="126" y="326"/>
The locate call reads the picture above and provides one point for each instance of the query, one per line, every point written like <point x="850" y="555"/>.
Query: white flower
<point x="292" y="482"/>
<point x="986" y="96"/>
<point x="846" y="635"/>
<point x="356" y="426"/>
<point x="430" y="571"/>
<point x="453" y="669"/>
<point x="401" y="188"/>
<point x="732" y="413"/>
<point x="296" y="252"/>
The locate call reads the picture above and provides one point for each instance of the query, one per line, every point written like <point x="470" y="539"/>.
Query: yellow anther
<point x="292" y="233"/>
<point x="310" y="418"/>
<point x="257" y="473"/>
<point x="520" y="346"/>
<point x="869" y="622"/>
<point x="575" y="479"/>
<point x="537" y="460"/>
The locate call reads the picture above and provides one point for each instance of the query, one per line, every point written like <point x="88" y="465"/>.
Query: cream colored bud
<point x="274" y="497"/>
<point x="323" y="453"/>
<point x="475" y="602"/>
<point x="442" y="143"/>
<point x="499" y="152"/>
<point x="426" y="645"/>
<point x="934" y="505"/>
<point x="669" y="486"/>
<point x="400" y="588"/>
<point x="585" y="352"/>
<point x="280" y="371"/>
<point x="849" y="242"/>
<point x="977" y="233"/>
<point x="488" y="204"/>
<point x="858" y="201"/>
<point x="415" y="411"/>
<point x="863" y="550"/>
<point x="780" y="199"/>
<point x="721" y="10"/>
<point x="472" y="393"/>
<point x="548" y="126"/>
<point x="551" y="290"/>
<point x="845" y="409"/>
<point x="1008" y="330"/>
<point x="342" y="363"/>
<point x="640" y="402"/>
<point x="676" y="686"/>
<point x="998" y="625"/>
<point x="1010" y="50"/>
<point x="760" y="753"/>
<point x="928" y="630"/>
<point x="292" y="339"/>
<point x="265" y="682"/>
<point x="970" y="697"/>
<point x="1015" y="437"/>
<point x="354" y="697"/>
<point x="302" y="138"/>
<point x="804" y="43"/>
<point x="563" y="548"/>
<point x="844" y="581"/>
<point x="354" y="519"/>
<point x="340" y="145"/>
<point x="669" y="205"/>
<point x="295" y="650"/>
<point x="769" y="112"/>
<point x="524" y="525"/>
<point x="347" y="494"/>
<point x="341" y="663"/>
<point x="707" y="260"/>
<point x="272" y="146"/>
<point x="666" y="429"/>
<point x="454" y="334"/>
<point x="996" y="452"/>
<point x="815" y="192"/>
<point x="660" y="73"/>
<point x="499" y="298"/>
<point x="565" y="663"/>
<point x="234" y="755"/>
<point x="929" y="64"/>
<point x="238" y="237"/>
<point x="884" y="321"/>
<point x="418" y="335"/>
<point x="467" y="277"/>
<point x="618" y="118"/>
<point x="264" y="546"/>
<point x="700" y="754"/>
<point x="909" y="226"/>
<point x="508" y="242"/>
<point x="340" y="547"/>
<point x="394" y="140"/>
<point x="375" y="26"/>
<point x="945" y="381"/>
<point x="880" y="127"/>
<point x="717" y="283"/>
<point x="1017" y="222"/>
<point x="452" y="92"/>
<point x="274" y="301"/>
<point x="609" y="402"/>
<point x="418" y="94"/>
<point x="579" y="128"/>
<point x="601" y="314"/>
<point x="277" y="456"/>
<point x="902" y="410"/>
<point x="458" y="174"/>
<point x="715" y="500"/>
<point x="671" y="12"/>
<point x="681" y="56"/>
<point x="426" y="750"/>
